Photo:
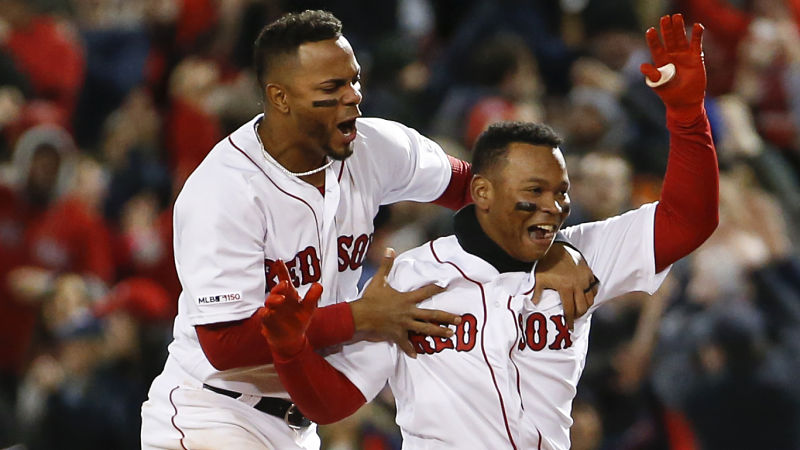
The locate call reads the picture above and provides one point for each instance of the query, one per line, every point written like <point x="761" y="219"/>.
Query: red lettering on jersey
<point x="563" y="335"/>
<point x="521" y="345"/>
<point x="466" y="336"/>
<point x="351" y="252"/>
<point x="292" y="274"/>
<point x="536" y="331"/>
<point x="442" y="343"/>
<point x="343" y="244"/>
<point x="309" y="265"/>
<point x="269" y="274"/>
<point x="304" y="268"/>
<point x="420" y="343"/>
<point x="466" y="333"/>
<point x="359" y="251"/>
<point x="536" y="334"/>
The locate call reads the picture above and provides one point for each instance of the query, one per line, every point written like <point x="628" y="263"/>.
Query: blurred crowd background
<point x="107" y="105"/>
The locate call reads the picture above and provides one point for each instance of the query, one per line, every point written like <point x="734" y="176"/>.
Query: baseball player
<point x="508" y="376"/>
<point x="300" y="183"/>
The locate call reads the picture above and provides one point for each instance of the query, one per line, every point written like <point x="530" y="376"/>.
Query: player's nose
<point x="550" y="205"/>
<point x="353" y="95"/>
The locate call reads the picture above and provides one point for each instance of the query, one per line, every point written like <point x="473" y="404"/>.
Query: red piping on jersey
<point x="539" y="447"/>
<point x="483" y="349"/>
<point x="319" y="239"/>
<point x="534" y="287"/>
<point x="172" y="419"/>
<point x="511" y="350"/>
<point x="341" y="171"/>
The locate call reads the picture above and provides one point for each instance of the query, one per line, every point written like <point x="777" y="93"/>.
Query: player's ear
<point x="276" y="97"/>
<point x="482" y="192"/>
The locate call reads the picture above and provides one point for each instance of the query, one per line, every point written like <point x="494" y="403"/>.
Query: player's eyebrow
<point x="334" y="81"/>
<point x="341" y="81"/>
<point x="564" y="183"/>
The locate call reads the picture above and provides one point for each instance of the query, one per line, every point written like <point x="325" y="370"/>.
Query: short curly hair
<point x="285" y="35"/>
<point x="493" y="143"/>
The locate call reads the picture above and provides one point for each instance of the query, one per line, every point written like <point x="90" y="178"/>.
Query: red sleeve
<point x="688" y="210"/>
<point x="240" y="343"/>
<point x="457" y="194"/>
<point x="322" y="393"/>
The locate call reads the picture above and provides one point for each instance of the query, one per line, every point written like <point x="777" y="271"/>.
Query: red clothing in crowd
<point x="71" y="237"/>
<point x="196" y="18"/>
<point x="191" y="133"/>
<point x="158" y="264"/>
<point x="52" y="58"/>
<point x="728" y="25"/>
<point x="17" y="320"/>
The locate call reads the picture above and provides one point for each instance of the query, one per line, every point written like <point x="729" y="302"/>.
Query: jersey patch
<point x="222" y="298"/>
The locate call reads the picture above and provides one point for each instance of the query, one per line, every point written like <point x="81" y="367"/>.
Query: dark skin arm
<point x="385" y="314"/>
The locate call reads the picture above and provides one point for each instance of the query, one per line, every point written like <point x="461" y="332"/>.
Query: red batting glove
<point x="683" y="94"/>
<point x="285" y="317"/>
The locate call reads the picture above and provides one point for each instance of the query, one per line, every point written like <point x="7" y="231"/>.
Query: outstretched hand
<point x="285" y="317"/>
<point x="385" y="314"/>
<point x="682" y="94"/>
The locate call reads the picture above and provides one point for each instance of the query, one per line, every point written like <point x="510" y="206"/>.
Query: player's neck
<point x="289" y="151"/>
<point x="473" y="238"/>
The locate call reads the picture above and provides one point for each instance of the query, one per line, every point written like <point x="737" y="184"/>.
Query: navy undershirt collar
<point x="474" y="240"/>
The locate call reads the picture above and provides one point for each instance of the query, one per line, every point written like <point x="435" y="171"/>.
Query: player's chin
<point x="340" y="152"/>
<point x="532" y="249"/>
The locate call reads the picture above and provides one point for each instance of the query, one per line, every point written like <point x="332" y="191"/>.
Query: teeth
<point x="549" y="228"/>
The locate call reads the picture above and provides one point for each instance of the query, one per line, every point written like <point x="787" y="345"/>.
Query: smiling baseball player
<point x="300" y="183"/>
<point x="509" y="380"/>
<point x="631" y="252"/>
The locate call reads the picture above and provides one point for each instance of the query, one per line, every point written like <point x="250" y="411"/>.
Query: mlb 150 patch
<point x="222" y="298"/>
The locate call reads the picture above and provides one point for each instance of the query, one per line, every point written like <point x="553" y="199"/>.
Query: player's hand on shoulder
<point x="385" y="314"/>
<point x="285" y="317"/>
<point x="563" y="269"/>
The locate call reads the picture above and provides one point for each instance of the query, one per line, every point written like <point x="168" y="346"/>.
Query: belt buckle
<point x="293" y="416"/>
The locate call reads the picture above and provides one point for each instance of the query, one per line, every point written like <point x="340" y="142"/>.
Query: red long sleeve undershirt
<point x="688" y="211"/>
<point x="686" y="216"/>
<point x="457" y="194"/>
<point x="240" y="344"/>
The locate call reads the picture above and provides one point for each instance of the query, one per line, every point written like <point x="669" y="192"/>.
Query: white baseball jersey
<point x="509" y="380"/>
<point x="549" y="357"/>
<point x="459" y="392"/>
<point x="238" y="213"/>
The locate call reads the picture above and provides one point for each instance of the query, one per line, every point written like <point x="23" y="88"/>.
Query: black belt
<point x="278" y="407"/>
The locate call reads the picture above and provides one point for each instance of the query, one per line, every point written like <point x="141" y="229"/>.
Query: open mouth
<point x="542" y="231"/>
<point x="348" y="129"/>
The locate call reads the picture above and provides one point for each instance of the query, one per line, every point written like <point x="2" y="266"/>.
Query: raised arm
<point x="688" y="211"/>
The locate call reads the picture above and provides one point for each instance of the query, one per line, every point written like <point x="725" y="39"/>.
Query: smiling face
<point x="522" y="200"/>
<point x="321" y="91"/>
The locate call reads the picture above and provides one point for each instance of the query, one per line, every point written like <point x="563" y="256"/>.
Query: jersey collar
<point x="472" y="239"/>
